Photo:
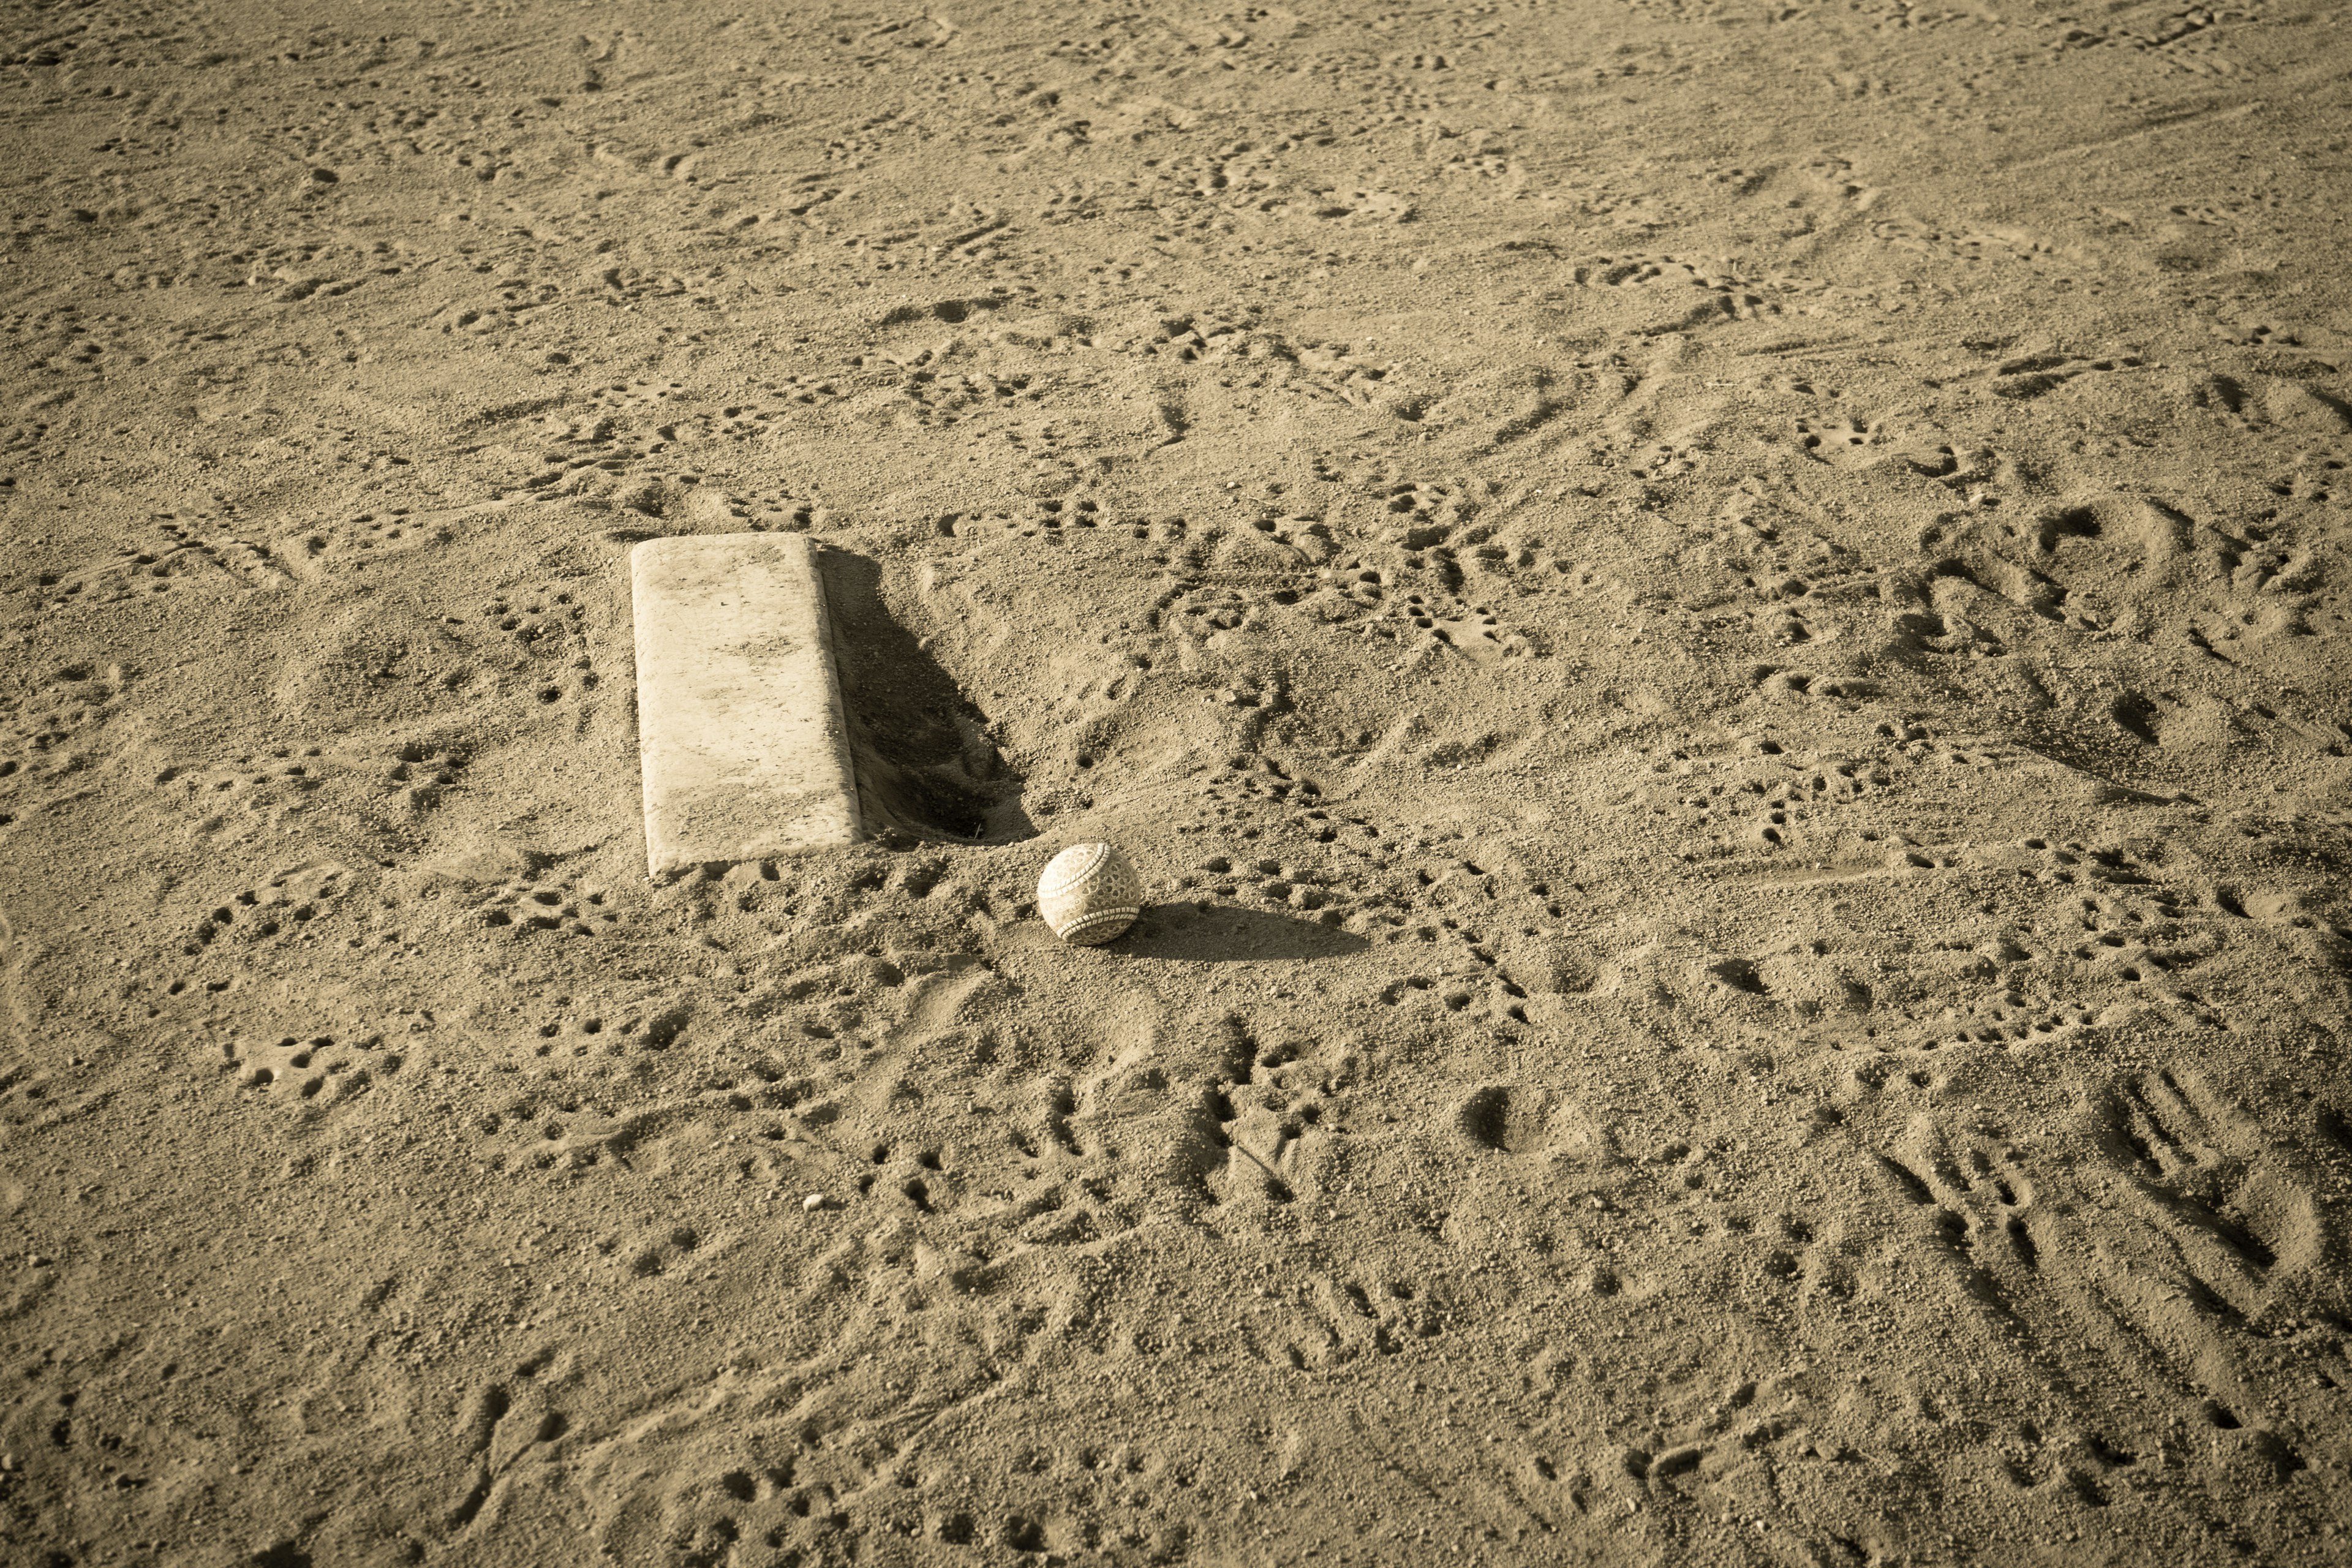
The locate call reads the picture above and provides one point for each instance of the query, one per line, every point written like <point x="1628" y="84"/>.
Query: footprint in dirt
<point x="1981" y="1192"/>
<point x="307" y="1073"/>
<point x="282" y="910"/>
<point x="2036" y="376"/>
<point x="1270" y="1101"/>
<point x="176" y="556"/>
<point x="2199" y="1164"/>
<point x="2224" y="1217"/>
<point x="1424" y="605"/>
<point x="1841" y="443"/>
<point x="363" y="541"/>
<point x="1339" y="1320"/>
<point x="567" y="905"/>
<point x="498" y="1429"/>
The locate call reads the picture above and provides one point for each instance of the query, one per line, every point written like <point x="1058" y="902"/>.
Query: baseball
<point x="1089" y="893"/>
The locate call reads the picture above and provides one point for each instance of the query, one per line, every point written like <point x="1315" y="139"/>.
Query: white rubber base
<point x="740" y="726"/>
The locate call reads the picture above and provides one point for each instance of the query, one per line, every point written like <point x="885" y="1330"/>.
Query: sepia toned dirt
<point x="1718" y="632"/>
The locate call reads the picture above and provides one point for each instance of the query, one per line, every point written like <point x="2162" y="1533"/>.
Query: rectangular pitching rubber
<point x="739" y="729"/>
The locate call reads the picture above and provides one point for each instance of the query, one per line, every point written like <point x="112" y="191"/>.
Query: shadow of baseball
<point x="1219" y="933"/>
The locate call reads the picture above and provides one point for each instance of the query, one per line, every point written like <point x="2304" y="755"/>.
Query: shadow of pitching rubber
<point x="1220" y="934"/>
<point x="920" y="745"/>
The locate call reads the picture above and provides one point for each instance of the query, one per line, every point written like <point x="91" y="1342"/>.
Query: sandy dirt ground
<point x="1719" y="629"/>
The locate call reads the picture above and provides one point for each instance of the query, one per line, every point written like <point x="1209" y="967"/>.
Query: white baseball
<point x="1089" y="893"/>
